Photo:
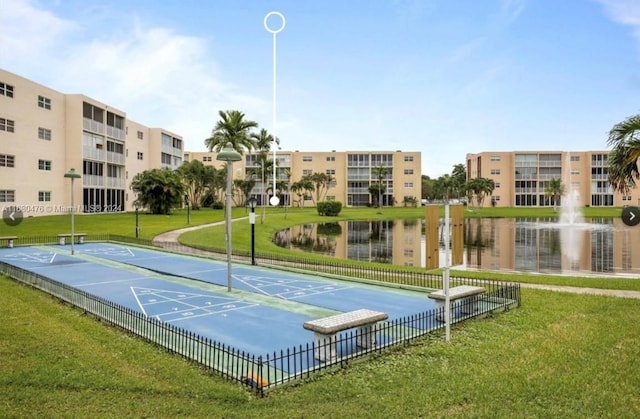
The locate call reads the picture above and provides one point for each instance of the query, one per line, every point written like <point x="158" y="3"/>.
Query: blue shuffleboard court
<point x="263" y="314"/>
<point x="313" y="290"/>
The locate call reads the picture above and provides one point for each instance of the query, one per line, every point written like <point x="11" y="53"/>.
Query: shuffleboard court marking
<point x="36" y="257"/>
<point x="287" y="288"/>
<point x="111" y="251"/>
<point x="184" y="305"/>
<point x="115" y="281"/>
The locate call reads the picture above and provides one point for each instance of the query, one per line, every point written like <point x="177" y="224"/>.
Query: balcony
<point x="92" y="180"/>
<point x="93" y="126"/>
<point x="113" y="157"/>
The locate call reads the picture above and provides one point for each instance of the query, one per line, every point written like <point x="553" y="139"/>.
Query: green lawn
<point x="558" y="355"/>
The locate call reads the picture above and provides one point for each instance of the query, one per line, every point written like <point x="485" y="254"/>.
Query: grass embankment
<point x="559" y="355"/>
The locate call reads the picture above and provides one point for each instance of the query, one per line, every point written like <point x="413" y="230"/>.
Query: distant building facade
<point x="521" y="177"/>
<point x="353" y="172"/>
<point x="45" y="133"/>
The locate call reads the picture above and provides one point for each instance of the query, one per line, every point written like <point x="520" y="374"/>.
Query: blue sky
<point x="441" y="77"/>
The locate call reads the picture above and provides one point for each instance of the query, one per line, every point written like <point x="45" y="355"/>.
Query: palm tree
<point x="321" y="182"/>
<point x="554" y="189"/>
<point x="231" y="128"/>
<point x="380" y="172"/>
<point x="262" y="142"/>
<point x="458" y="179"/>
<point x="623" y="158"/>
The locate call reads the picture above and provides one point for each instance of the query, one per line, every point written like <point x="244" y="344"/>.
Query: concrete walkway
<point x="170" y="240"/>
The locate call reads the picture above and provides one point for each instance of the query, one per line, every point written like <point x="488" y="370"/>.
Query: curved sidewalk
<point x="170" y="240"/>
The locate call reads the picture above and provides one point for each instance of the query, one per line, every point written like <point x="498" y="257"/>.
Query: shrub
<point x="329" y="208"/>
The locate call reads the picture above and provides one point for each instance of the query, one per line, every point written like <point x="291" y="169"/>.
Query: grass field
<point x="558" y="355"/>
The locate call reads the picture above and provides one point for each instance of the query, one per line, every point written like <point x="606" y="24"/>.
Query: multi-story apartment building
<point x="352" y="173"/>
<point x="521" y="177"/>
<point x="45" y="133"/>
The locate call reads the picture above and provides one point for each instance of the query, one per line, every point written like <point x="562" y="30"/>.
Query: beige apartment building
<point x="521" y="177"/>
<point x="45" y="133"/>
<point x="353" y="172"/>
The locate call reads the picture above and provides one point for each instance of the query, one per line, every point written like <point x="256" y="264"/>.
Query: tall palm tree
<point x="624" y="137"/>
<point x="262" y="142"/>
<point x="231" y="128"/>
<point x="458" y="179"/>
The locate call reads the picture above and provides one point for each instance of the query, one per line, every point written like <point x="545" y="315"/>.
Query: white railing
<point x="92" y="153"/>
<point x="113" y="157"/>
<point x="91" y="125"/>
<point x="114" y="132"/>
<point x="115" y="182"/>
<point x="92" y="180"/>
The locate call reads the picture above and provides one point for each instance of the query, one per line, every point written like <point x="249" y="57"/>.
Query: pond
<point x="593" y="246"/>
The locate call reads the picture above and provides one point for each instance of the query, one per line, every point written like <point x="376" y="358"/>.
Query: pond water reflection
<point x="606" y="246"/>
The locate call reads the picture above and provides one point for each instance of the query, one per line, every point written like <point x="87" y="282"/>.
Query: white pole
<point x="445" y="278"/>
<point x="72" y="220"/>
<point x="274" y="201"/>
<point x="227" y="207"/>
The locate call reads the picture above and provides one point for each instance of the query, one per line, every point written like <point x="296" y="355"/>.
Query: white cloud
<point x="159" y="77"/>
<point x="625" y="12"/>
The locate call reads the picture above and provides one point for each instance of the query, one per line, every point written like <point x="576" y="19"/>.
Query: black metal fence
<point x="263" y="372"/>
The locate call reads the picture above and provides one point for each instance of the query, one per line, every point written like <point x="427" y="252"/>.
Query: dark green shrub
<point x="329" y="208"/>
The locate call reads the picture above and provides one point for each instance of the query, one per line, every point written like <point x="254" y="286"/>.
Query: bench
<point x="467" y="294"/>
<point x="8" y="239"/>
<point x="79" y="236"/>
<point x="325" y="330"/>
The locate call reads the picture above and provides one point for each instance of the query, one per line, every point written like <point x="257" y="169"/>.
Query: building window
<point x="497" y="185"/>
<point x="408" y="184"/>
<point x="44" y="165"/>
<point x="140" y="155"/>
<point x="307" y="158"/>
<point x="575" y="158"/>
<point x="575" y="171"/>
<point x="44" y="134"/>
<point x="7" y="160"/>
<point x="165" y="158"/>
<point x="6" y="90"/>
<point x="331" y="158"/>
<point x="44" y="196"/>
<point x="206" y="158"/>
<point x="140" y="135"/>
<point x="44" y="102"/>
<point x="7" y="195"/>
<point x="408" y="158"/>
<point x="330" y="172"/>
<point x="306" y="172"/>
<point x="495" y="171"/>
<point x="408" y="171"/>
<point x="626" y="198"/>
<point x="495" y="158"/>
<point x="7" y="125"/>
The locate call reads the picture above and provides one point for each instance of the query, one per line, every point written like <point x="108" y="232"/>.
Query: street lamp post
<point x="252" y="220"/>
<point x="72" y="174"/>
<point x="186" y="202"/>
<point x="228" y="154"/>
<point x="137" y="224"/>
